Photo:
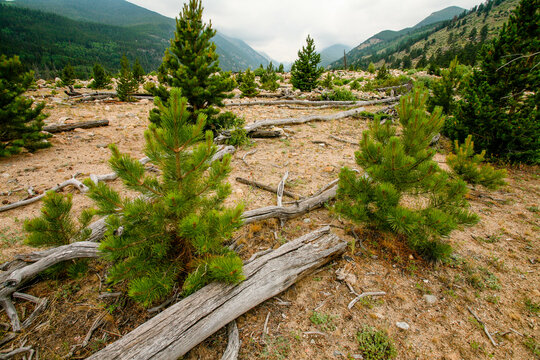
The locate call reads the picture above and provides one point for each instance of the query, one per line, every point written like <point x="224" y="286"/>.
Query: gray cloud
<point x="280" y="27"/>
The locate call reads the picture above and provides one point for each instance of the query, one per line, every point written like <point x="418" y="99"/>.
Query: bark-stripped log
<point x="315" y="103"/>
<point x="56" y="128"/>
<point x="182" y="326"/>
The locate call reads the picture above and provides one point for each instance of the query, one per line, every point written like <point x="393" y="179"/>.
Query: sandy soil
<point x="494" y="270"/>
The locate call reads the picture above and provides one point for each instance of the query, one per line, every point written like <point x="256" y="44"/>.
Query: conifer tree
<point x="191" y="63"/>
<point x="138" y="72"/>
<point x="281" y="69"/>
<point x="248" y="87"/>
<point x="382" y="74"/>
<point x="101" y="79"/>
<point x="399" y="166"/>
<point x="68" y="75"/>
<point x="445" y="88"/>
<point x="269" y="78"/>
<point x="127" y="84"/>
<point x="469" y="166"/>
<point x="371" y="68"/>
<point x="500" y="101"/>
<point x="174" y="232"/>
<point x="305" y="71"/>
<point x="20" y="121"/>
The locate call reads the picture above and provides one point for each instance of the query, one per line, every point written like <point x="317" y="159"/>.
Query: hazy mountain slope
<point x="47" y="42"/>
<point x="234" y="53"/>
<point x="384" y="39"/>
<point x="441" y="15"/>
<point x="332" y="53"/>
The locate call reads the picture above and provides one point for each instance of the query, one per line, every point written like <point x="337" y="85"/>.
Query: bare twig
<point x="247" y="154"/>
<point x="280" y="188"/>
<point x="266" y="187"/>
<point x="265" y="329"/>
<point x="11" y="313"/>
<point x="343" y="140"/>
<point x="356" y="299"/>
<point x="9" y="355"/>
<point x="483" y="326"/>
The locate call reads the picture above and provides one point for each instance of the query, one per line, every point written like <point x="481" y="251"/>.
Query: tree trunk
<point x="181" y="327"/>
<point x="56" y="128"/>
<point x="315" y="103"/>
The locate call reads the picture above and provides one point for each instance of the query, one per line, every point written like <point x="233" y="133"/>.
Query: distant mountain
<point x="441" y="15"/>
<point x="461" y="33"/>
<point x="383" y="39"/>
<point x="234" y="53"/>
<point x="333" y="53"/>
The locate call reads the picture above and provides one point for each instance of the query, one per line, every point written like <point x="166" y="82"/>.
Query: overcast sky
<point x="279" y="27"/>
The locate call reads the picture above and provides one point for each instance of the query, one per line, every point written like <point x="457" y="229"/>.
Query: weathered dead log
<point x="182" y="326"/>
<point x="233" y="346"/>
<point x="288" y="212"/>
<point x="266" y="187"/>
<point x="56" y="128"/>
<point x="73" y="182"/>
<point x="315" y="103"/>
<point x="301" y="120"/>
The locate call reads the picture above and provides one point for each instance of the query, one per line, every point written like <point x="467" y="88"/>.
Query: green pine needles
<point x="403" y="190"/>
<point x="469" y="167"/>
<point x="174" y="231"/>
<point x="248" y="86"/>
<point x="127" y="84"/>
<point x="20" y="121"/>
<point x="55" y="226"/>
<point x="191" y="63"/>
<point x="305" y="71"/>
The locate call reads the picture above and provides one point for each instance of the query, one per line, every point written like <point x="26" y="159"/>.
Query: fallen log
<point x="299" y="208"/>
<point x="233" y="347"/>
<point x="176" y="330"/>
<point x="96" y="179"/>
<point x="56" y="128"/>
<point x="301" y="120"/>
<point x="314" y="103"/>
<point x="266" y="187"/>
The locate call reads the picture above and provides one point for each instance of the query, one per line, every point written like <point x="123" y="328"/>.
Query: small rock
<point x="378" y="316"/>
<point x="5" y="175"/>
<point x="357" y="356"/>
<point x="430" y="299"/>
<point x="99" y="146"/>
<point x="312" y="341"/>
<point x="338" y="353"/>
<point x="107" y="108"/>
<point x="402" y="325"/>
<point x="307" y="221"/>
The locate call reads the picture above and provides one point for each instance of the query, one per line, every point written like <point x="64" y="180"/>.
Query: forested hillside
<point x="47" y="42"/>
<point x="83" y="32"/>
<point x="438" y="43"/>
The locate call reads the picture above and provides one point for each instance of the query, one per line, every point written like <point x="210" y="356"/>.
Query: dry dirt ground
<point x="494" y="270"/>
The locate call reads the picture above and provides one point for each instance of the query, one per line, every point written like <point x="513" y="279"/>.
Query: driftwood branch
<point x="356" y="299"/>
<point x="483" y="326"/>
<point x="182" y="326"/>
<point x="280" y="188"/>
<point x="266" y="187"/>
<point x="288" y="212"/>
<point x="301" y="120"/>
<point x="233" y="347"/>
<point x="9" y="355"/>
<point x="315" y="103"/>
<point x="56" y="128"/>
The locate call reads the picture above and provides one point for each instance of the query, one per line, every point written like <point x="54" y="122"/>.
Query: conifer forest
<point x="169" y="192"/>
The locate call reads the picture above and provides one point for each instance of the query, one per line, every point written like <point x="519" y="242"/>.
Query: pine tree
<point x="191" y="63"/>
<point x="371" y="68"/>
<point x="174" y="232"/>
<point x="68" y="75"/>
<point x="269" y="78"/>
<point x="469" y="166"/>
<point x="500" y="101"/>
<point x="138" y="72"/>
<point x="445" y="88"/>
<point x="399" y="166"/>
<point x="305" y="71"/>
<point x="101" y="79"/>
<point x="383" y="73"/>
<point x="20" y="122"/>
<point x="127" y="85"/>
<point x="281" y="69"/>
<point x="248" y="87"/>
